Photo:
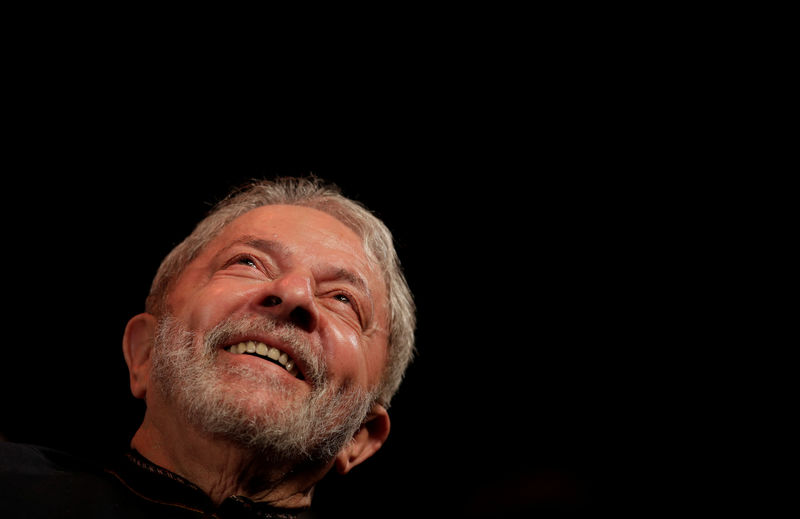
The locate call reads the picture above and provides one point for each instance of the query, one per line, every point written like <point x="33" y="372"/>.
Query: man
<point x="273" y="341"/>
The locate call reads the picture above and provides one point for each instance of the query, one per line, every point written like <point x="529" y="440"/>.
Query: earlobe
<point x="366" y="441"/>
<point x="137" y="345"/>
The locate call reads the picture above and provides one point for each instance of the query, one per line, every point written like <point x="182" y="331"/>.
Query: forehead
<point x="295" y="227"/>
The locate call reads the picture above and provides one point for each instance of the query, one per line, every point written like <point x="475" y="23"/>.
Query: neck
<point x="221" y="468"/>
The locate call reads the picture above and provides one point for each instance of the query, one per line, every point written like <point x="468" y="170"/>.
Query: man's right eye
<point x="244" y="260"/>
<point x="254" y="263"/>
<point x="247" y="261"/>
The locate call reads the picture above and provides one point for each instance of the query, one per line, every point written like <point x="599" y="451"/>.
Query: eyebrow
<point x="269" y="246"/>
<point x="350" y="277"/>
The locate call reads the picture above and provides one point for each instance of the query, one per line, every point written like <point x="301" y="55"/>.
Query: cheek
<point x="209" y="306"/>
<point x="345" y="353"/>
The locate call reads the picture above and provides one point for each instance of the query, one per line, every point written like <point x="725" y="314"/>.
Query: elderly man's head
<point x="282" y="324"/>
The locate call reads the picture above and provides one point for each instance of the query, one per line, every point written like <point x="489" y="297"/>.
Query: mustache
<point x="286" y="333"/>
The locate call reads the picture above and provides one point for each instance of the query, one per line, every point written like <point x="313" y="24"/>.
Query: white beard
<point x="311" y="429"/>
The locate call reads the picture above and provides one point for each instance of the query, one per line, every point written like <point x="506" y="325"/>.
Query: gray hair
<point x="309" y="192"/>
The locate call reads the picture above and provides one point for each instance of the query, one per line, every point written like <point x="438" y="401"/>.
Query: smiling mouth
<point x="268" y="353"/>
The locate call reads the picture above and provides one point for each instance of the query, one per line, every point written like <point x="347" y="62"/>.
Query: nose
<point x="291" y="298"/>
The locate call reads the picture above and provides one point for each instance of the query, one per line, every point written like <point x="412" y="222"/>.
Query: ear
<point x="366" y="441"/>
<point x="137" y="345"/>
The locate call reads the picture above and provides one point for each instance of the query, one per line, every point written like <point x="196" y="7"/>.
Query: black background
<point x="513" y="400"/>
<point x="578" y="202"/>
<point x="527" y="238"/>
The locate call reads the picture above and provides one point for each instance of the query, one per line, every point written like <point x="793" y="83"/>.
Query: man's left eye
<point x="352" y="305"/>
<point x="343" y="298"/>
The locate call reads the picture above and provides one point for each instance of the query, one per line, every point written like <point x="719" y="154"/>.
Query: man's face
<point x="295" y="284"/>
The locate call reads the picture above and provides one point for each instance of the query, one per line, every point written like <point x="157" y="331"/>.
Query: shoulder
<point x="33" y="460"/>
<point x="38" y="482"/>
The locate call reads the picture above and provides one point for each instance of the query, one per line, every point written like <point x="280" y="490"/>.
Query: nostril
<point x="302" y="318"/>
<point x="272" y="301"/>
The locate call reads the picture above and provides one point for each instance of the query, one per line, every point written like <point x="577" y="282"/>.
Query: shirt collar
<point x="159" y="485"/>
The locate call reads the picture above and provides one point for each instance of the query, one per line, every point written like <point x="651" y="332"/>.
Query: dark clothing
<point x="37" y="482"/>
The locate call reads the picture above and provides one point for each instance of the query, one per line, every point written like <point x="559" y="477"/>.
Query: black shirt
<point x="37" y="482"/>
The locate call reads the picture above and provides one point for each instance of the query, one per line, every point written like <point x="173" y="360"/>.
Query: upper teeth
<point x="269" y="352"/>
